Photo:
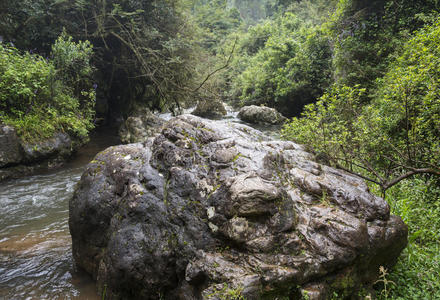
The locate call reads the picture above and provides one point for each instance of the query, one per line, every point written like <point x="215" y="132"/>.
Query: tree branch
<point x="219" y="69"/>
<point x="359" y="175"/>
<point x="413" y="172"/>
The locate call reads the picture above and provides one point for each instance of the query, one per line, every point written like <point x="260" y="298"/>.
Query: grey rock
<point x="210" y="109"/>
<point x="260" y="115"/>
<point x="213" y="209"/>
<point x="20" y="158"/>
<point x="140" y="126"/>
<point x="11" y="152"/>
<point x="61" y="144"/>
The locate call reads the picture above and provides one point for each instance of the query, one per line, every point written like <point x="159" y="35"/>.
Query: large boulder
<point x="210" y="109"/>
<point x="140" y="126"/>
<point x="261" y="115"/>
<point x="215" y="210"/>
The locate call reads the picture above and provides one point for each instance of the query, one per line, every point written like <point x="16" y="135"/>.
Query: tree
<point x="290" y="70"/>
<point x="143" y="49"/>
<point x="397" y="134"/>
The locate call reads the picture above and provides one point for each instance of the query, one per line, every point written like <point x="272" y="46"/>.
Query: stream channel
<point x="35" y="245"/>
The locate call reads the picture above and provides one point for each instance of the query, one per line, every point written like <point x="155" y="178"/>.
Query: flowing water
<point x="35" y="246"/>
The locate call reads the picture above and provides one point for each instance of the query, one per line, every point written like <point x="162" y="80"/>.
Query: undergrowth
<point x="417" y="273"/>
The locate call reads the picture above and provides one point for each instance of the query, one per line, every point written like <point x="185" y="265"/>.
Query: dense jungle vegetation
<point x="360" y="81"/>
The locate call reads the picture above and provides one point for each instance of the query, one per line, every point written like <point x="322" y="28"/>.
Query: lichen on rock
<point x="210" y="209"/>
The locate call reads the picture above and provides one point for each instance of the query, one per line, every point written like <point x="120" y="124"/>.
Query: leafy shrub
<point x="394" y="136"/>
<point x="39" y="99"/>
<point x="25" y="80"/>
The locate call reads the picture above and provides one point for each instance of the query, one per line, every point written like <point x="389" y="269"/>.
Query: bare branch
<point x="219" y="69"/>
<point x="360" y="175"/>
<point x="409" y="174"/>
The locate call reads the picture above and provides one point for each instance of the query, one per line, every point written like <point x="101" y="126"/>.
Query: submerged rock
<point x="210" y="109"/>
<point x="140" y="126"/>
<point x="211" y="210"/>
<point x="261" y="115"/>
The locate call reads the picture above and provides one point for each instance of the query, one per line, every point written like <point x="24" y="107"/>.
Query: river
<point x="35" y="245"/>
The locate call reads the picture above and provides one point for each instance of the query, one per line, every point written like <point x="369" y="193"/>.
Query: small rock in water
<point x="261" y="115"/>
<point x="210" y="109"/>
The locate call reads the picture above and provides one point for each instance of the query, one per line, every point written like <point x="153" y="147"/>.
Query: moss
<point x="227" y="293"/>
<point x="237" y="157"/>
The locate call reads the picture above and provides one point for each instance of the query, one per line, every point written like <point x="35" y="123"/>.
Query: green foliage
<point x="292" y="67"/>
<point x="216" y="20"/>
<point x="316" y="12"/>
<point x="409" y="96"/>
<point x="30" y="24"/>
<point x="142" y="49"/>
<point x="367" y="34"/>
<point x="38" y="99"/>
<point x="72" y="64"/>
<point x="386" y="129"/>
<point x="331" y="126"/>
<point x="25" y="79"/>
<point x="283" y="62"/>
<point x="397" y="133"/>
<point x="72" y="60"/>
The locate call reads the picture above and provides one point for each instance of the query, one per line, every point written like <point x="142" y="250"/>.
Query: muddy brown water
<point x="35" y="245"/>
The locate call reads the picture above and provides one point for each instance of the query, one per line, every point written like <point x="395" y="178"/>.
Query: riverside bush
<point x="39" y="96"/>
<point x="397" y="134"/>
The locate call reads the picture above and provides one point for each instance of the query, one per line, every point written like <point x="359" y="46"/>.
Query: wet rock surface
<point x="211" y="210"/>
<point x="261" y="115"/>
<point x="140" y="126"/>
